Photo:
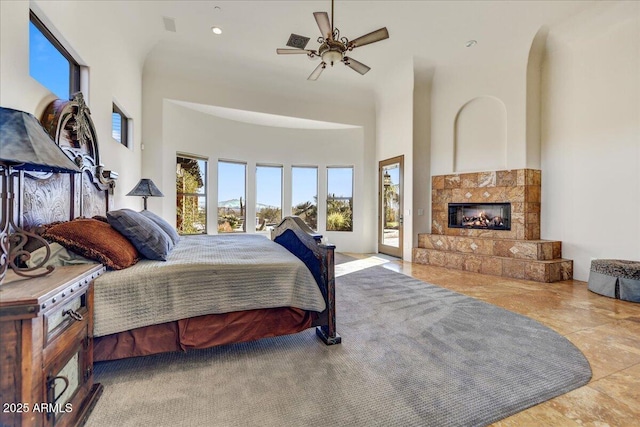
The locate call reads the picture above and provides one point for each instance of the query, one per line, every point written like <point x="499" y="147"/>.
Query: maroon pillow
<point x="95" y="240"/>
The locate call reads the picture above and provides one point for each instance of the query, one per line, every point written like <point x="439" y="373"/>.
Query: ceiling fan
<point x="333" y="48"/>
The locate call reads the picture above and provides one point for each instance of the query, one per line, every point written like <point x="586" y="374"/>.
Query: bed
<point x="211" y="290"/>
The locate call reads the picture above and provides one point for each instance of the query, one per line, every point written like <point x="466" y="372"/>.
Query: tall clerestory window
<point x="50" y="63"/>
<point x="191" y="194"/>
<point x="340" y="199"/>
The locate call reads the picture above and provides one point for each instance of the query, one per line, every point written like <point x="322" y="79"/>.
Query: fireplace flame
<point x="483" y="220"/>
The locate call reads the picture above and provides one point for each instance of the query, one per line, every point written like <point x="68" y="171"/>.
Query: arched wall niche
<point x="480" y="135"/>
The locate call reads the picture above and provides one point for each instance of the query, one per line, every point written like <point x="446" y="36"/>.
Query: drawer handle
<point x="73" y="314"/>
<point x="52" y="386"/>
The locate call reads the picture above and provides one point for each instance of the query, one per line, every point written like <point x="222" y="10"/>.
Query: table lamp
<point x="145" y="188"/>
<point x="24" y="146"/>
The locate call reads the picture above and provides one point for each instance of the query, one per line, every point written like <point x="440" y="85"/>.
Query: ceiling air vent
<point x="169" y="24"/>
<point x="297" y="41"/>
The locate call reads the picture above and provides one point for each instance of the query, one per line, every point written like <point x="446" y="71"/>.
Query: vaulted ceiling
<point x="434" y="32"/>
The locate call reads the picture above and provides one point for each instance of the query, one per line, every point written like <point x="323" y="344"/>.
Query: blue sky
<point x="304" y="185"/>
<point x="231" y="181"/>
<point x="340" y="182"/>
<point x="47" y="65"/>
<point x="269" y="185"/>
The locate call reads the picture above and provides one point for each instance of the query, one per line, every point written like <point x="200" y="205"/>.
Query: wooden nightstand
<point x="46" y="348"/>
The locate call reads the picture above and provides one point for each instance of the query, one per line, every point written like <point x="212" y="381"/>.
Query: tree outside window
<point x="340" y="199"/>
<point x="304" y="184"/>
<point x="191" y="209"/>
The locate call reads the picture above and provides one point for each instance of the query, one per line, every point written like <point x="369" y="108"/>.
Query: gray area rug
<point x="413" y="354"/>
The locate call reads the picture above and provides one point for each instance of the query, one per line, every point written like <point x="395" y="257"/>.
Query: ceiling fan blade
<point x="372" y="37"/>
<point x="356" y="65"/>
<point x="316" y="73"/>
<point x="284" y="51"/>
<point x="322" y="18"/>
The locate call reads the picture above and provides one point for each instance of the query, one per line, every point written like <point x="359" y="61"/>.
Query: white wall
<point x="423" y="78"/>
<point x="455" y="86"/>
<point x="219" y="138"/>
<point x="480" y="135"/>
<point x="591" y="135"/>
<point x="114" y="73"/>
<point x="394" y="135"/>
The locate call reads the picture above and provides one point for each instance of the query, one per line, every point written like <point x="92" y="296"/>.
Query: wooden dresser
<point x="46" y="348"/>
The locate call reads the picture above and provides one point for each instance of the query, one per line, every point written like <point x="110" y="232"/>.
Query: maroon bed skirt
<point x="202" y="332"/>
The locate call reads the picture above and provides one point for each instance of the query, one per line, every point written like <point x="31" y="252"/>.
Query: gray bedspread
<point x="206" y="274"/>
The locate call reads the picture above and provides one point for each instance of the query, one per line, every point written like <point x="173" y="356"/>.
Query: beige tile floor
<point x="606" y="330"/>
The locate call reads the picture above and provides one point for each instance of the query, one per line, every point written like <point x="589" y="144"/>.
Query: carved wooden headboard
<point x="49" y="197"/>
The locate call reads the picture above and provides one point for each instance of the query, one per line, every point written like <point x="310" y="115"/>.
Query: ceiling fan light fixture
<point x="331" y="56"/>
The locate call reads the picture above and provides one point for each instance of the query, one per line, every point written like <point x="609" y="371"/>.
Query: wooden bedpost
<point x="300" y="240"/>
<point x="328" y="332"/>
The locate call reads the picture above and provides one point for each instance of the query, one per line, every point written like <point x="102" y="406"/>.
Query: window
<point x="268" y="197"/>
<point x="50" y="63"/>
<point x="232" y="198"/>
<point x="340" y="199"/>
<point x="120" y="126"/>
<point x="191" y="191"/>
<point x="304" y="194"/>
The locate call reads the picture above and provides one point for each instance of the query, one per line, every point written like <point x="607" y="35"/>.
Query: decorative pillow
<point x="95" y="240"/>
<point x="144" y="234"/>
<point x="100" y="218"/>
<point x="166" y="227"/>
<point x="59" y="256"/>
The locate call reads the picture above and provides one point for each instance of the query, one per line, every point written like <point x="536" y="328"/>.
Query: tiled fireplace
<point x="489" y="222"/>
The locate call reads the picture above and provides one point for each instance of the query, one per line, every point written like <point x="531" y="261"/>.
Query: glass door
<point x="390" y="206"/>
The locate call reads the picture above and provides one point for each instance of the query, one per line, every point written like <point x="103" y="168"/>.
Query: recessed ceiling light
<point x="471" y="43"/>
<point x="216" y="30"/>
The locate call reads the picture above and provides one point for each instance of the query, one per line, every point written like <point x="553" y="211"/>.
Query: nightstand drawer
<point x="57" y="321"/>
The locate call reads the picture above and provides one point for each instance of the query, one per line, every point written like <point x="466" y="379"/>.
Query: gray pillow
<point x="147" y="237"/>
<point x="166" y="227"/>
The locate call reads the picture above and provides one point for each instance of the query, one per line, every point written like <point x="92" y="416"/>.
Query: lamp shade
<point x="145" y="188"/>
<point x="26" y="145"/>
